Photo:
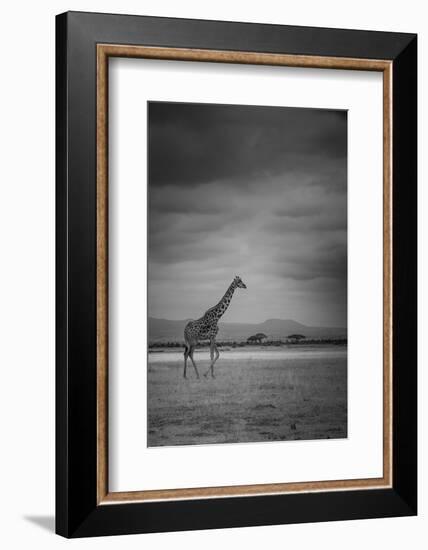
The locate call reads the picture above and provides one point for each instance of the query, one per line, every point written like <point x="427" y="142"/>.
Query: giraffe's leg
<point x="211" y="356"/>
<point x="186" y="355"/>
<point x="214" y="354"/>
<point x="192" y="349"/>
<point x="217" y="355"/>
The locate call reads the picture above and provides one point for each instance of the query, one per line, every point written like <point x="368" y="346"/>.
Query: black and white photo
<point x="247" y="274"/>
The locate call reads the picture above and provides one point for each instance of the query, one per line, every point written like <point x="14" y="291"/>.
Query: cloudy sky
<point x="259" y="192"/>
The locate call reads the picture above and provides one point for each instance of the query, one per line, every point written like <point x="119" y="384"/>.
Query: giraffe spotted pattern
<point x="206" y="328"/>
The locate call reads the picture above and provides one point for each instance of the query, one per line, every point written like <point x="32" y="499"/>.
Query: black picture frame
<point x="77" y="512"/>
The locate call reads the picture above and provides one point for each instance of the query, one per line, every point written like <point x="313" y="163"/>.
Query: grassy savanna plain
<point x="259" y="394"/>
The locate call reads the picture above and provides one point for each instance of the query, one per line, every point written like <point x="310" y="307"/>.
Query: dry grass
<point x="256" y="396"/>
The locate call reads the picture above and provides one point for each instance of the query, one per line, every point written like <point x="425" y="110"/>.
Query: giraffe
<point x="206" y="328"/>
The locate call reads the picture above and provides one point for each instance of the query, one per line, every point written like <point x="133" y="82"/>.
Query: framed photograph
<point x="236" y="274"/>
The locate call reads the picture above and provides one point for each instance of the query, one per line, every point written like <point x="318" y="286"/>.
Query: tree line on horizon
<point x="257" y="339"/>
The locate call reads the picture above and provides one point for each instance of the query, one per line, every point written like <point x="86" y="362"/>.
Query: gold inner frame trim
<point x="104" y="51"/>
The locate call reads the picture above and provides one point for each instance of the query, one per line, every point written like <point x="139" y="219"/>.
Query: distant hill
<point x="165" y="330"/>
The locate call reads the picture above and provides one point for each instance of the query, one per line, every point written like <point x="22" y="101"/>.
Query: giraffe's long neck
<point x="223" y="304"/>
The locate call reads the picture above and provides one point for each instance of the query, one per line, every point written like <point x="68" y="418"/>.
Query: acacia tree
<point x="296" y="337"/>
<point x="256" y="338"/>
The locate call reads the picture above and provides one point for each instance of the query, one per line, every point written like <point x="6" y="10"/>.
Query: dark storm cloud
<point x="255" y="191"/>
<point x="192" y="144"/>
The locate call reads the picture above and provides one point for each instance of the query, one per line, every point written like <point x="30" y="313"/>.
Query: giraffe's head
<point x="239" y="283"/>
